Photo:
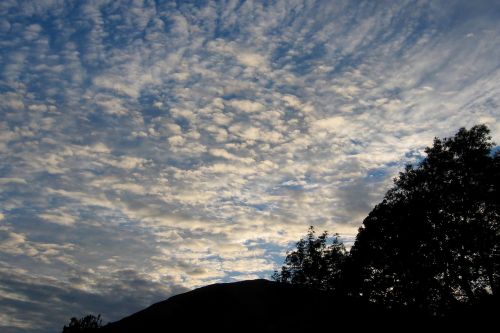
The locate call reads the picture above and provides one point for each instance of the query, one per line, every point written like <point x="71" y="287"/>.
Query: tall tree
<point x="434" y="240"/>
<point x="314" y="263"/>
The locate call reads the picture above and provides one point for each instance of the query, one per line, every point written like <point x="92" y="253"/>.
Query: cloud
<point x="12" y="181"/>
<point x="218" y="152"/>
<point x="246" y="105"/>
<point x="330" y="124"/>
<point x="60" y="218"/>
<point x="251" y="59"/>
<point x="183" y="144"/>
<point x="25" y="308"/>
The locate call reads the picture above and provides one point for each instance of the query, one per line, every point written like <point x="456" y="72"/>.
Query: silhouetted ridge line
<point x="267" y="306"/>
<point x="256" y="305"/>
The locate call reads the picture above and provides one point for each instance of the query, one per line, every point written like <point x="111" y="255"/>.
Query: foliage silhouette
<point x="432" y="246"/>
<point x="433" y="243"/>
<point x="314" y="263"/>
<point x="87" y="324"/>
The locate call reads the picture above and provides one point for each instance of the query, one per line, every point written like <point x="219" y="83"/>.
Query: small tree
<point x="314" y="263"/>
<point x="89" y="323"/>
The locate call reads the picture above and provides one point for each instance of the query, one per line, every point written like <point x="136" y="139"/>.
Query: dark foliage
<point x="433" y="243"/>
<point x="432" y="246"/>
<point x="87" y="324"/>
<point x="314" y="263"/>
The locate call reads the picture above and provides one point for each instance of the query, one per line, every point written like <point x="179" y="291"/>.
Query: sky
<point x="151" y="147"/>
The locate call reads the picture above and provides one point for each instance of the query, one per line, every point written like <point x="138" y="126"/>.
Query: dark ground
<point x="266" y="306"/>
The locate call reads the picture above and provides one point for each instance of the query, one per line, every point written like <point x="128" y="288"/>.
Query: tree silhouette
<point x="87" y="324"/>
<point x="314" y="263"/>
<point x="434" y="240"/>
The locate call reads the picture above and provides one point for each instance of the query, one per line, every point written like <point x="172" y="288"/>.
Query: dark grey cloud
<point x="32" y="303"/>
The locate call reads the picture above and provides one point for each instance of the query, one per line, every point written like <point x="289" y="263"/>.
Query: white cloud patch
<point x="12" y="181"/>
<point x="246" y="105"/>
<point x="218" y="152"/>
<point x="330" y="124"/>
<point x="251" y="59"/>
<point x="59" y="218"/>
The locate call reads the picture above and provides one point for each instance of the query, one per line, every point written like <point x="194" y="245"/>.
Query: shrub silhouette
<point x="87" y="324"/>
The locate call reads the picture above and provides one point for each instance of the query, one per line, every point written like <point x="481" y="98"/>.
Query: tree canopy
<point x="434" y="239"/>
<point x="433" y="242"/>
<point x="314" y="263"/>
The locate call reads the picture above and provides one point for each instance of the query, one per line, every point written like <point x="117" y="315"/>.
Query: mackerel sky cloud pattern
<point x="150" y="147"/>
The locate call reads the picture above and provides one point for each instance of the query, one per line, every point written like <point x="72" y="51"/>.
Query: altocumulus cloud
<point x="152" y="146"/>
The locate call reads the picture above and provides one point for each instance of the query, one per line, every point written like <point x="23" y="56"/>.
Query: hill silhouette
<point x="249" y="306"/>
<point x="268" y="306"/>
